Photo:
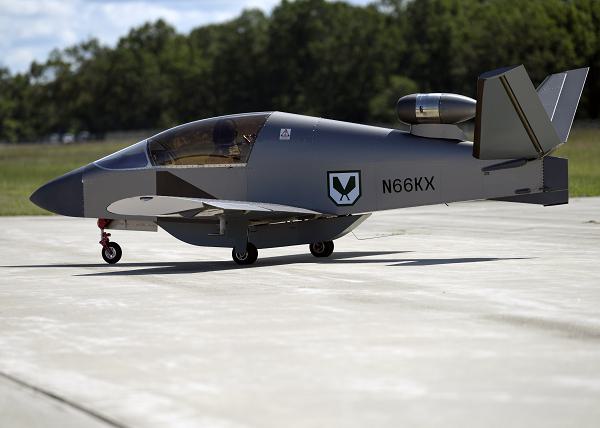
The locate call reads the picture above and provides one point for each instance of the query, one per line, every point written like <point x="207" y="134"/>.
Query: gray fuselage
<point x="397" y="170"/>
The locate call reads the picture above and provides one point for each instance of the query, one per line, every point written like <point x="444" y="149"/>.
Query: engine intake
<point x="435" y="108"/>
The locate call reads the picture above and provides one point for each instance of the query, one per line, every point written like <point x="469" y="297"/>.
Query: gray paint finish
<point x="549" y="92"/>
<point x="223" y="182"/>
<point x="529" y="102"/>
<point x="512" y="122"/>
<point x="295" y="171"/>
<point x="499" y="133"/>
<point x="568" y="101"/>
<point x="397" y="170"/>
<point x="280" y="234"/>
<point x="319" y="170"/>
<point x="103" y="187"/>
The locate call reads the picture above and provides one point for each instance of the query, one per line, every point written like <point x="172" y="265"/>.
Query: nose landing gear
<point x="111" y="251"/>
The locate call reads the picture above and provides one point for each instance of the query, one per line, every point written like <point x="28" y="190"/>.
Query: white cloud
<point x="19" y="56"/>
<point x="30" y="29"/>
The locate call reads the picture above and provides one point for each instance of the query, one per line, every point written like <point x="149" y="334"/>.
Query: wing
<point x="174" y="206"/>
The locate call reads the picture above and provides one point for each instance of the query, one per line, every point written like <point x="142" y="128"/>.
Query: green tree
<point x="382" y="105"/>
<point x="229" y="74"/>
<point x="314" y="57"/>
<point x="329" y="58"/>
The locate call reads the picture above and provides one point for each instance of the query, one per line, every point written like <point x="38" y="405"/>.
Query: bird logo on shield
<point x="344" y="187"/>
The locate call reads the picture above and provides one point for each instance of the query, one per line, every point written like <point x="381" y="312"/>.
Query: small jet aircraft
<point x="272" y="179"/>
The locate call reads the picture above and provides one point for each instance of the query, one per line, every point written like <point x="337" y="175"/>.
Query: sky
<point x="30" y="29"/>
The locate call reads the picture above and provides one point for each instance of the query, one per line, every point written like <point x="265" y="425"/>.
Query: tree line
<point x="313" y="57"/>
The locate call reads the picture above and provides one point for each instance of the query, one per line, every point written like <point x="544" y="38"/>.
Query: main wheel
<point x="321" y="249"/>
<point x="246" y="258"/>
<point x="112" y="253"/>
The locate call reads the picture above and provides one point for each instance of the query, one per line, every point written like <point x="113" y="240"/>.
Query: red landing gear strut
<point x="111" y="251"/>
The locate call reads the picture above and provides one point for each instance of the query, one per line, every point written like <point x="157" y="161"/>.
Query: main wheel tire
<point x="112" y="253"/>
<point x="321" y="249"/>
<point x="248" y="257"/>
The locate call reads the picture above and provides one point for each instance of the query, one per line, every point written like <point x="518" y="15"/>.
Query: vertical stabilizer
<point x="511" y="121"/>
<point x="560" y="94"/>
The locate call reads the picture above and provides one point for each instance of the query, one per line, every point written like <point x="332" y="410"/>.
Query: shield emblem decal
<point x="344" y="187"/>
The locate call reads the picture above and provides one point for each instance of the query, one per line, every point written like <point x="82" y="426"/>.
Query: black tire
<point x="112" y="254"/>
<point x="321" y="249"/>
<point x="248" y="257"/>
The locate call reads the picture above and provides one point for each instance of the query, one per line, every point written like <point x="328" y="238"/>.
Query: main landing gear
<point x="111" y="251"/>
<point x="317" y="249"/>
<point x="246" y="258"/>
<point x="321" y="249"/>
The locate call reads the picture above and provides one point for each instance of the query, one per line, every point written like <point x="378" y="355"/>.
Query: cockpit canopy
<point x="216" y="141"/>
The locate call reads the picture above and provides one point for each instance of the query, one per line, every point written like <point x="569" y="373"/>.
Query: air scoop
<point x="435" y="108"/>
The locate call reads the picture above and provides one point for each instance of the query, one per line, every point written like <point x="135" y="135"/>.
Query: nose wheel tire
<point x="246" y="258"/>
<point x="112" y="253"/>
<point x="321" y="249"/>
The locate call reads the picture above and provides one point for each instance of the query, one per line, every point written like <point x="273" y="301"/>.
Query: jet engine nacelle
<point x="435" y="108"/>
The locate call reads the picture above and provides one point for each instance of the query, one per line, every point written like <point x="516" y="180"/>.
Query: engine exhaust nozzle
<point x="435" y="108"/>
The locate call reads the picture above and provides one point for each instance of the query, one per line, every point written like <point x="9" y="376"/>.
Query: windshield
<point x="218" y="141"/>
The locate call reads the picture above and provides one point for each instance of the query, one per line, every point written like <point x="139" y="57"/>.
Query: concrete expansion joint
<point x="82" y="409"/>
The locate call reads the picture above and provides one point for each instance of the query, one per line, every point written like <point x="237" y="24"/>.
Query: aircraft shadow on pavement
<point x="340" y="257"/>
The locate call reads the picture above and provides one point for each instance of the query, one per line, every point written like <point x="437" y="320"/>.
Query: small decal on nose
<point x="285" y="133"/>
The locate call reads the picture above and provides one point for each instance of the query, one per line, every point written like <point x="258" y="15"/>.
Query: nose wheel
<point x="111" y="251"/>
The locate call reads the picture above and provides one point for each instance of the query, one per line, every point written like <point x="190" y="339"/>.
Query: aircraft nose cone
<point x="63" y="195"/>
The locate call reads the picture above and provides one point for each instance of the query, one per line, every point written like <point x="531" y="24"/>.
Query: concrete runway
<point x="476" y="314"/>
